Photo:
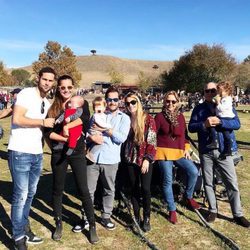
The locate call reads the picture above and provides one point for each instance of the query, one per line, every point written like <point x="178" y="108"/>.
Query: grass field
<point x="187" y="234"/>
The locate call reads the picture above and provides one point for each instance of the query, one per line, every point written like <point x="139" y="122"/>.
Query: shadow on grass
<point x="42" y="203"/>
<point x="5" y="228"/>
<point x="4" y="155"/>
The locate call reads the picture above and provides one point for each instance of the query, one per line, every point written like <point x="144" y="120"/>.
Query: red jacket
<point x="134" y="153"/>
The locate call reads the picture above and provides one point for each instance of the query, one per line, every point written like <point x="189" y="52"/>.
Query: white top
<point x="101" y="120"/>
<point x="225" y="108"/>
<point x="28" y="140"/>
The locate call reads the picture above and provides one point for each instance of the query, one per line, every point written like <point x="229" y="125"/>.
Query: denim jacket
<point x="196" y="125"/>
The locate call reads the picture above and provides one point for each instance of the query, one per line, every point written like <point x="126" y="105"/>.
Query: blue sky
<point x="135" y="29"/>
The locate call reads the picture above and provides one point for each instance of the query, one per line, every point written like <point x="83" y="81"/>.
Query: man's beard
<point x="42" y="91"/>
<point x="113" y="110"/>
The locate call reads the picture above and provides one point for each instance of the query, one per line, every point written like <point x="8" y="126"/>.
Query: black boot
<point x="57" y="235"/>
<point x="136" y="224"/>
<point x="146" y="224"/>
<point x="93" y="238"/>
<point x="20" y="244"/>
<point x="138" y="220"/>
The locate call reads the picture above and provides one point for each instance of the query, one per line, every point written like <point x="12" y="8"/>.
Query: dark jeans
<point x="77" y="162"/>
<point x="140" y="185"/>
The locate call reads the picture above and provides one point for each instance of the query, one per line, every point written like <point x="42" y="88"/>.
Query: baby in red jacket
<point x="71" y="113"/>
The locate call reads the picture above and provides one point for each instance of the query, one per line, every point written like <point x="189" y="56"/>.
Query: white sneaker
<point x="83" y="224"/>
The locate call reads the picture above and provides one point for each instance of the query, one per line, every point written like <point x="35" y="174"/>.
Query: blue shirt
<point x="109" y="151"/>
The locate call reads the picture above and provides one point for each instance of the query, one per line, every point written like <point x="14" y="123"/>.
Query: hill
<point x="97" y="68"/>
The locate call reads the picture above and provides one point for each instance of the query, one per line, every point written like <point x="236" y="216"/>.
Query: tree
<point x="5" y="78"/>
<point x="155" y="67"/>
<point x="242" y="75"/>
<point x="198" y="66"/>
<point x="29" y="83"/>
<point x="144" y="82"/>
<point x="20" y="76"/>
<point x="115" y="76"/>
<point x="93" y="51"/>
<point x="61" y="59"/>
<point x="247" y="59"/>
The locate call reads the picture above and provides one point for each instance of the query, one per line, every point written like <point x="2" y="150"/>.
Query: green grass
<point x="187" y="234"/>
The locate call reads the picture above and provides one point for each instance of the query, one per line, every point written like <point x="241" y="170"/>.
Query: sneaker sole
<point x="108" y="228"/>
<point x="80" y="230"/>
<point x="34" y="243"/>
<point x="77" y="231"/>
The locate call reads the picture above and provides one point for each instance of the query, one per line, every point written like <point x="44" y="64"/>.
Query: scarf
<point x="171" y="116"/>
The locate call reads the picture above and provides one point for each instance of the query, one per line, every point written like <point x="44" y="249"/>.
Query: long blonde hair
<point x="140" y="119"/>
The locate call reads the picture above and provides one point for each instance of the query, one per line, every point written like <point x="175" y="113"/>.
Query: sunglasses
<point x="112" y="99"/>
<point x="212" y="91"/>
<point x="42" y="107"/>
<point x="133" y="102"/>
<point x="170" y="101"/>
<point x="65" y="87"/>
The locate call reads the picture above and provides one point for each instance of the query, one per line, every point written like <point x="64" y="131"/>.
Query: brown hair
<point x="56" y="107"/>
<point x="227" y="86"/>
<point x="111" y="89"/>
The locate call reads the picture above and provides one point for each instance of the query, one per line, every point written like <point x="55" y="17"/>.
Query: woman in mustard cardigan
<point x="172" y="148"/>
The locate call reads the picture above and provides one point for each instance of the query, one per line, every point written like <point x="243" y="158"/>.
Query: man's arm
<point x="231" y="124"/>
<point x="195" y="124"/>
<point x="120" y="135"/>
<point x="6" y="113"/>
<point x="21" y="120"/>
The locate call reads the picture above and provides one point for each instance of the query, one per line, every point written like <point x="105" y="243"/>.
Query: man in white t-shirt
<point x="26" y="153"/>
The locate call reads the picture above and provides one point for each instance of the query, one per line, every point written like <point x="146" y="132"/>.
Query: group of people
<point x="94" y="147"/>
<point x="5" y="97"/>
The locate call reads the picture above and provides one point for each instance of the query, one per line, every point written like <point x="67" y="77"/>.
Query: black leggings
<point x="59" y="164"/>
<point x="136" y="179"/>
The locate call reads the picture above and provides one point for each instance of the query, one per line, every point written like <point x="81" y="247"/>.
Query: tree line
<point x="201" y="64"/>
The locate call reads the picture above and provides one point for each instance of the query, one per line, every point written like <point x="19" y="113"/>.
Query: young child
<point x="99" y="119"/>
<point x="71" y="113"/>
<point x="224" y="109"/>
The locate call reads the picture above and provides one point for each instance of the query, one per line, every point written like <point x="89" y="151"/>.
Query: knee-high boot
<point x="93" y="238"/>
<point x="57" y="235"/>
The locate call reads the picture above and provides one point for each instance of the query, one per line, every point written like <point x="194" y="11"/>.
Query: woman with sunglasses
<point x="139" y="151"/>
<point x="60" y="160"/>
<point x="172" y="148"/>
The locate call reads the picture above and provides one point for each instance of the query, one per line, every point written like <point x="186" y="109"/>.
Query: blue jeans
<point x="25" y="171"/>
<point x="167" y="174"/>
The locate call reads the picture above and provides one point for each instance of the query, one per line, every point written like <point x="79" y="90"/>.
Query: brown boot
<point x="172" y="217"/>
